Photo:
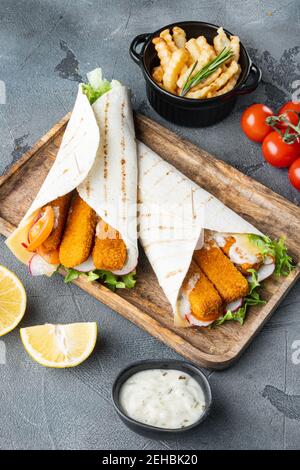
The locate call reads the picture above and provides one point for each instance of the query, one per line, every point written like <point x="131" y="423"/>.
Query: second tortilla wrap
<point x="173" y="213"/>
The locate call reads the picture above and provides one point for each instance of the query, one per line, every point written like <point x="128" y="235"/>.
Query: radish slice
<point x="234" y="306"/>
<point x="266" y="270"/>
<point x="131" y="262"/>
<point x="86" y="266"/>
<point x="194" y="321"/>
<point x="39" y="267"/>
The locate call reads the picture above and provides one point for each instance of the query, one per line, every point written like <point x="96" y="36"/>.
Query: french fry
<point x="179" y="37"/>
<point x="171" y="74"/>
<point x="206" y="47"/>
<point x="221" y="81"/>
<point x="163" y="52"/>
<point x="177" y="60"/>
<point x="165" y="34"/>
<point x="209" y="79"/>
<point x="235" y="46"/>
<point x="193" y="48"/>
<point x="199" y="94"/>
<point x="228" y="87"/>
<point x="203" y="58"/>
<point x="221" y="41"/>
<point x="157" y="74"/>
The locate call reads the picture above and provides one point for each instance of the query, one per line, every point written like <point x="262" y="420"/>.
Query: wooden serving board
<point x="146" y="305"/>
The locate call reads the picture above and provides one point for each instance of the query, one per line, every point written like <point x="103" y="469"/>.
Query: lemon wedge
<point x="12" y="300"/>
<point x="60" y="345"/>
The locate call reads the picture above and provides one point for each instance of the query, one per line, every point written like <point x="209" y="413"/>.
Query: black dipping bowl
<point x="187" y="111"/>
<point x="151" y="431"/>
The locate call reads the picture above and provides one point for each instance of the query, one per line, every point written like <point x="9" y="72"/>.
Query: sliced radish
<point x="234" y="306"/>
<point x="266" y="270"/>
<point x="39" y="267"/>
<point x="131" y="262"/>
<point x="194" y="321"/>
<point x="86" y="266"/>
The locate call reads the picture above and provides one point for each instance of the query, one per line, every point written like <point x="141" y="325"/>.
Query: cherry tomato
<point x="41" y="229"/>
<point x="277" y="152"/>
<point x="294" y="174"/>
<point x="254" y="124"/>
<point x="289" y="110"/>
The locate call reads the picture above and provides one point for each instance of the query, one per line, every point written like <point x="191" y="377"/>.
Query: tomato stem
<point x="287" y="136"/>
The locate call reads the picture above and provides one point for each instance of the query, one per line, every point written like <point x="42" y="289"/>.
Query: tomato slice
<point x="41" y="229"/>
<point x="52" y="257"/>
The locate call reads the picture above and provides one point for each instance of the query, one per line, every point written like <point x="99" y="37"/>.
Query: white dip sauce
<point x="162" y="398"/>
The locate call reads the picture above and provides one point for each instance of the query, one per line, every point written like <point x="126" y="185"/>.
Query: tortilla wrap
<point x="97" y="149"/>
<point x="173" y="213"/>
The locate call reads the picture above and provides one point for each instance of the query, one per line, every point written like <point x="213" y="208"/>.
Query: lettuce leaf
<point x="96" y="86"/>
<point x="253" y="298"/>
<point x="278" y="250"/>
<point x="71" y="275"/>
<point x="111" y="280"/>
<point x="92" y="93"/>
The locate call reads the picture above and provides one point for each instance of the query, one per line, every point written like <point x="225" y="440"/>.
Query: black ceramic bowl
<point x="187" y="111"/>
<point x="152" y="431"/>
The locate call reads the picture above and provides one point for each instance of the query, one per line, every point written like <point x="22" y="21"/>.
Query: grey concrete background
<point x="46" y="47"/>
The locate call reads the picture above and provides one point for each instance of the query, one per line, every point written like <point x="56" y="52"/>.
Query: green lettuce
<point x="94" y="93"/>
<point x="278" y="250"/>
<point x="97" y="85"/>
<point x="253" y="298"/>
<point x="112" y="281"/>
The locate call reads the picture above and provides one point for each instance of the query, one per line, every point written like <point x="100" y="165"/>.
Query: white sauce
<point x="163" y="398"/>
<point x="242" y="251"/>
<point x="183" y="303"/>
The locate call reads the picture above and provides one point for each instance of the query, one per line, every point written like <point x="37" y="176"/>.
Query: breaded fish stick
<point x="79" y="233"/>
<point x="61" y="208"/>
<point x="205" y="302"/>
<point x="109" y="251"/>
<point x="228" y="281"/>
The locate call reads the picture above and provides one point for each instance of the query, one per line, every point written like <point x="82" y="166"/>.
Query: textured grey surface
<point x="46" y="47"/>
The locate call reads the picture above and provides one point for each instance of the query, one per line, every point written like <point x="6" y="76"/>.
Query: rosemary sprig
<point x="206" y="71"/>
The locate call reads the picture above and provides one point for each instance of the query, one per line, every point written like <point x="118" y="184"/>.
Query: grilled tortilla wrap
<point x="174" y="214"/>
<point x="97" y="150"/>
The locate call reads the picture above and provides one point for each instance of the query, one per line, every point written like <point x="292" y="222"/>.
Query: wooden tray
<point x="146" y="305"/>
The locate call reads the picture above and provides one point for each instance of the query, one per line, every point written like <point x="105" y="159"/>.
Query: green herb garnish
<point x="206" y="71"/>
<point x="276" y="249"/>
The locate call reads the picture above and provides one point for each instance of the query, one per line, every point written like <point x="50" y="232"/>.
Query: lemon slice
<point x="60" y="345"/>
<point x="12" y="300"/>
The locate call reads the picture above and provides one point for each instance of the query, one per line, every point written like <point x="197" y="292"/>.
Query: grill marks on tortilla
<point x="193" y="204"/>
<point x="105" y="151"/>
<point x="173" y="273"/>
<point x="123" y="160"/>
